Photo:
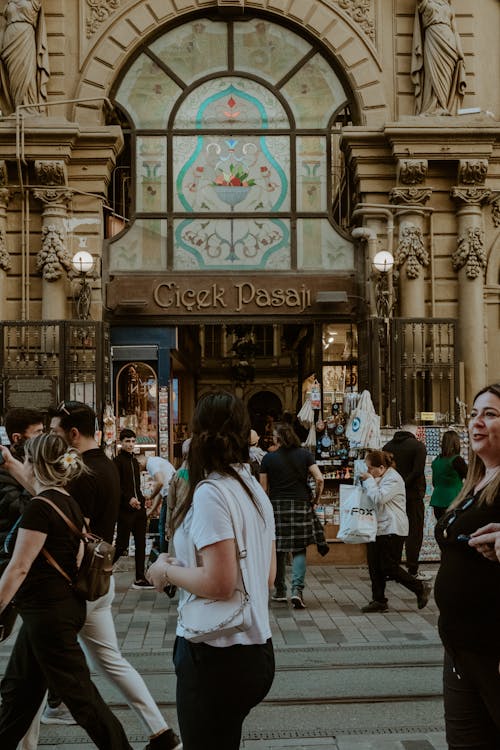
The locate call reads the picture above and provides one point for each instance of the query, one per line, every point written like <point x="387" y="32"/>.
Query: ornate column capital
<point x="412" y="195"/>
<point x="411" y="250"/>
<point x="470" y="253"/>
<point x="472" y="171"/>
<point x="51" y="172"/>
<point x="53" y="196"/>
<point x="53" y="257"/>
<point x="471" y="195"/>
<point x="412" y="171"/>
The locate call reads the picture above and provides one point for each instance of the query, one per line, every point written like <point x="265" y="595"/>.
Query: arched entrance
<point x="264" y="408"/>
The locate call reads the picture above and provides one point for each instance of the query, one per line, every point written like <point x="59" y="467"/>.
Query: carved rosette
<point x="98" y="12"/>
<point x="472" y="171"/>
<point x="411" y="251"/>
<point x="361" y="12"/>
<point x="470" y="253"/>
<point x="5" y="262"/>
<point x="53" y="257"/>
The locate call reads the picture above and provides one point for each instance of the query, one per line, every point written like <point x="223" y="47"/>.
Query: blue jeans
<point x="217" y="688"/>
<point x="298" y="572"/>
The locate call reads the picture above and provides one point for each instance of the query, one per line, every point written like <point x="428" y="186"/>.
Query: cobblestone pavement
<point x="145" y="624"/>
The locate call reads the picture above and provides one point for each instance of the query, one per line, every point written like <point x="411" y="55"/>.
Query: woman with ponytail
<point x="220" y="681"/>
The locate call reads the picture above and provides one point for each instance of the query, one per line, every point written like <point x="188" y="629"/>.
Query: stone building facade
<point x="233" y="168"/>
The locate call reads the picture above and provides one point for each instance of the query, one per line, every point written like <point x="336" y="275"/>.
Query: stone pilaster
<point x="412" y="257"/>
<point x="53" y="260"/>
<point x="5" y="261"/>
<point x="469" y="261"/>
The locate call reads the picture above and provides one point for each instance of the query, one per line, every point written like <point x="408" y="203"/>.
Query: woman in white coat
<point x="386" y="488"/>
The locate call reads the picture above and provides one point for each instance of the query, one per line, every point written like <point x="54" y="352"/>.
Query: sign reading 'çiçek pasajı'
<point x="235" y="297"/>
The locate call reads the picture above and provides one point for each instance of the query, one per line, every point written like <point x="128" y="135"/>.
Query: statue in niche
<point x="437" y="63"/>
<point x="24" y="58"/>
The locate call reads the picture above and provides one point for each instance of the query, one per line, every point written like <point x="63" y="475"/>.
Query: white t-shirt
<point x="209" y="521"/>
<point x="155" y="465"/>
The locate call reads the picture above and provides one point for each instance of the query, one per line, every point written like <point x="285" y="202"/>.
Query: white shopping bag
<point x="358" y="519"/>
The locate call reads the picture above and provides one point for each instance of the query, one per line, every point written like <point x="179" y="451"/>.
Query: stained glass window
<point x="236" y="150"/>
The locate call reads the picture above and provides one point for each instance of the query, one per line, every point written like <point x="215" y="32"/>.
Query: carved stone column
<point x="5" y="261"/>
<point x="469" y="260"/>
<point x="412" y="257"/>
<point x="53" y="260"/>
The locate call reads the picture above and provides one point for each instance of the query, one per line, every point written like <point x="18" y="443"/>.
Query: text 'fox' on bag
<point x="94" y="574"/>
<point x="358" y="519"/>
<point x="208" y="619"/>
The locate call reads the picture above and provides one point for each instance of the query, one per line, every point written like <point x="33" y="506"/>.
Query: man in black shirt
<point x="98" y="494"/>
<point x="410" y="455"/>
<point x="132" y="517"/>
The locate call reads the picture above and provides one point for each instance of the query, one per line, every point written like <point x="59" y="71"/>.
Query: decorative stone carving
<point x="51" y="173"/>
<point x="3" y="173"/>
<point x="53" y="197"/>
<point x="411" y="251"/>
<point x="437" y="62"/>
<point x="361" y="12"/>
<point x="412" y="195"/>
<point x="470" y="253"/>
<point x="53" y="257"/>
<point x="473" y="195"/>
<point x="5" y="262"/>
<point x="495" y="213"/>
<point x="472" y="171"/>
<point x="98" y="12"/>
<point x="412" y="171"/>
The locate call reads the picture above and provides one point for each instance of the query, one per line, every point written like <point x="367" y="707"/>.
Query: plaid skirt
<point x="294" y="524"/>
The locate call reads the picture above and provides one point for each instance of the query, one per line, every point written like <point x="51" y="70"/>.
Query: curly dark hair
<point x="219" y="442"/>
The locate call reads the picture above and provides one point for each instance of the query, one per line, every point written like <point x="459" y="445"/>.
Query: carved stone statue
<point x="437" y="64"/>
<point x="24" y="57"/>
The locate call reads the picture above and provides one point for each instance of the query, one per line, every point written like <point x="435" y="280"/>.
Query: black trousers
<point x="384" y="563"/>
<point x="47" y="654"/>
<point x="132" y="522"/>
<point x="415" y="510"/>
<point x="471" y="700"/>
<point x="217" y="688"/>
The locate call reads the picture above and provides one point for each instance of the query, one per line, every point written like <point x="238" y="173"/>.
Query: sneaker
<point x="297" y="601"/>
<point x="279" y="597"/>
<point x="421" y="576"/>
<point x="165" y="741"/>
<point x="375" y="606"/>
<point x="424" y="595"/>
<point x="57" y="715"/>
<point x="142" y="584"/>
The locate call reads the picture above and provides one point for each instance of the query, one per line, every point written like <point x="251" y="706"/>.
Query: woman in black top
<point x="46" y="653"/>
<point x="466" y="590"/>
<point x="284" y="475"/>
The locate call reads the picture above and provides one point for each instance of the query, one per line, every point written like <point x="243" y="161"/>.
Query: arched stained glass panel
<point x="147" y="94"/>
<point x="266" y="49"/>
<point x="195" y="49"/>
<point x="314" y="93"/>
<point x="231" y="103"/>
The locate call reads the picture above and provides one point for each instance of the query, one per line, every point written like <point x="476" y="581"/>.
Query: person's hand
<point x="134" y="503"/>
<point x="157" y="572"/>
<point x="486" y="541"/>
<point x="364" y="475"/>
<point x="7" y="458"/>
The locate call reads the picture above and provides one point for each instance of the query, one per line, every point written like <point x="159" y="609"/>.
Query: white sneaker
<point x="421" y="576"/>
<point x="57" y="715"/>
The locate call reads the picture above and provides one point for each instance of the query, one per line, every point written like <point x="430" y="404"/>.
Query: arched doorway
<point x="263" y="407"/>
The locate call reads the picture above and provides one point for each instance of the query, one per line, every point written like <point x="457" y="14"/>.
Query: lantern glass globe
<point x="82" y="262"/>
<point x="383" y="261"/>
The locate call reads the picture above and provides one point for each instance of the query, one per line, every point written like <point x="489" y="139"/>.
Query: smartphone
<point x="463" y="537"/>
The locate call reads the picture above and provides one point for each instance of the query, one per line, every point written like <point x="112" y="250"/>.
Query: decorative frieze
<point x="361" y="12"/>
<point x="411" y="250"/>
<point x="470" y="253"/>
<point x="412" y="171"/>
<point x="472" y="171"/>
<point x="53" y="257"/>
<point x="412" y="195"/>
<point x="98" y="11"/>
